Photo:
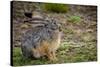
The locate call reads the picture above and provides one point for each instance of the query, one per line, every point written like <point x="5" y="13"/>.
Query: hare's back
<point x="33" y="37"/>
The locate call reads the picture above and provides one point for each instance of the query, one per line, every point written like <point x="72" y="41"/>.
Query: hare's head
<point x="52" y="24"/>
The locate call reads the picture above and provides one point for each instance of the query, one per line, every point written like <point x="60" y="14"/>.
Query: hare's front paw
<point x="53" y="60"/>
<point x="51" y="56"/>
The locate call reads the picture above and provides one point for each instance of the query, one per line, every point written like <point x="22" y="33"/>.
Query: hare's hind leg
<point x="36" y="53"/>
<point x="49" y="52"/>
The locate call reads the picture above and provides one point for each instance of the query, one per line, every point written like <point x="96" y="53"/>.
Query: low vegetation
<point x="68" y="52"/>
<point x="74" y="19"/>
<point x="58" y="8"/>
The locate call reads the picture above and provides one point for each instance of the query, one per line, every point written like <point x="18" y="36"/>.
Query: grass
<point x="65" y="54"/>
<point x="74" y="19"/>
<point x="67" y="31"/>
<point x="58" y="8"/>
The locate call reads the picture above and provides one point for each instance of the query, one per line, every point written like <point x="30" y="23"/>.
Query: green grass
<point x="74" y="19"/>
<point x="58" y="8"/>
<point x="67" y="31"/>
<point x="65" y="54"/>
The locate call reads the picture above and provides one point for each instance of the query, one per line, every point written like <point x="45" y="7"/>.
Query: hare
<point x="42" y="40"/>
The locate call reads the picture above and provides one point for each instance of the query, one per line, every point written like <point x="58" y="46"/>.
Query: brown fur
<point x="48" y="49"/>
